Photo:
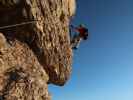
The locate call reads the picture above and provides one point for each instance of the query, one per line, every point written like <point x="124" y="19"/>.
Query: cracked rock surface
<point x="37" y="51"/>
<point x="21" y="76"/>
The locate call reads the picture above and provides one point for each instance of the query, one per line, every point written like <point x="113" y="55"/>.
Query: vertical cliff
<point x="34" y="47"/>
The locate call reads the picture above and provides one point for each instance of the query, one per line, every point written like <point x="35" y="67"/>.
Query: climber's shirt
<point x="83" y="32"/>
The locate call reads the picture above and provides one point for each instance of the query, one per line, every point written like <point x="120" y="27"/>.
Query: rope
<point x="20" y="24"/>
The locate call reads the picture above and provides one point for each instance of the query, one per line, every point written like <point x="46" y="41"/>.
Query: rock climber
<point x="77" y="38"/>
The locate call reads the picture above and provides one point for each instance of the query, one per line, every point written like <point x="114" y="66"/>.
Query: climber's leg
<point x="74" y="38"/>
<point x="76" y="42"/>
<point x="72" y="33"/>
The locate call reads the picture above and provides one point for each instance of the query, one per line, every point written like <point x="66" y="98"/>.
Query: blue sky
<point x="103" y="65"/>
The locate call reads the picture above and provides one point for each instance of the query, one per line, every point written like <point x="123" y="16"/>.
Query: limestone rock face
<point x="34" y="47"/>
<point x="21" y="76"/>
<point x="47" y="36"/>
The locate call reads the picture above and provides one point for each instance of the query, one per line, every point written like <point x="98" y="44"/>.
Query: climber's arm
<point x="76" y="29"/>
